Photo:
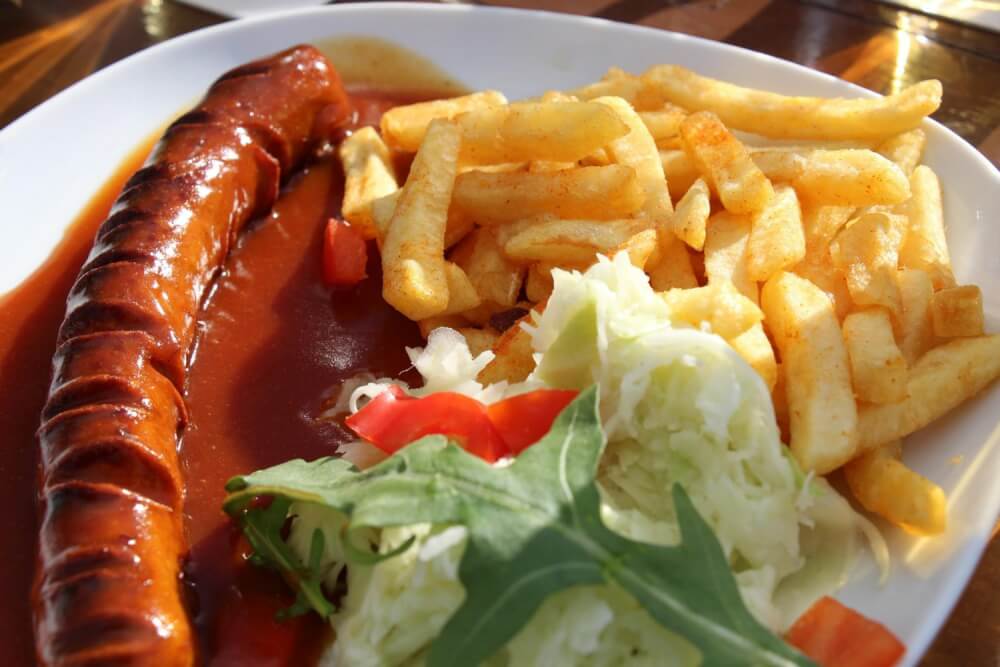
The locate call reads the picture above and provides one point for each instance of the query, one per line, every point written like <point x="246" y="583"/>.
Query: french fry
<point x="878" y="369"/>
<point x="495" y="278"/>
<point x="916" y="330"/>
<point x="479" y="340"/>
<point x="957" y="312"/>
<point x="719" y="305"/>
<point x="691" y="217"/>
<point x="755" y="348"/>
<point x="679" y="170"/>
<point x="368" y="175"/>
<point x="776" y="241"/>
<point x="663" y="124"/>
<point x="414" y="279"/>
<point x="638" y="150"/>
<point x="615" y="83"/>
<point x="640" y="247"/>
<point x="462" y="295"/>
<point x="672" y="266"/>
<point x="925" y="247"/>
<point x="548" y="166"/>
<point x="726" y="252"/>
<point x="600" y="193"/>
<point x="885" y="486"/>
<point x="819" y="270"/>
<point x="852" y="177"/>
<point x="429" y="324"/>
<point x="538" y="284"/>
<point x="820" y="224"/>
<point x="513" y="361"/>
<point x="403" y="127"/>
<point x="570" y="241"/>
<point x="942" y="379"/>
<point x="560" y="131"/>
<point x="779" y="397"/>
<point x="383" y="208"/>
<point x="782" y="117"/>
<point x="779" y="164"/>
<point x="905" y="149"/>
<point x="867" y="252"/>
<point x="725" y="163"/>
<point x="823" y="419"/>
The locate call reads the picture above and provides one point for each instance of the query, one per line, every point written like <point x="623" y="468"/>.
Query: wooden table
<point x="47" y="45"/>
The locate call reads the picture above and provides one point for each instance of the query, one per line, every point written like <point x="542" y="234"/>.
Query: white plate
<point x="54" y="158"/>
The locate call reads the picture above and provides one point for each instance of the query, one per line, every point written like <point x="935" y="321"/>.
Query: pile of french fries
<point x="823" y="262"/>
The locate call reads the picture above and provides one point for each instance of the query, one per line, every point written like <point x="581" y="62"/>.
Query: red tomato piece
<point x="837" y="636"/>
<point x="522" y="420"/>
<point x="345" y="254"/>
<point x="393" y="420"/>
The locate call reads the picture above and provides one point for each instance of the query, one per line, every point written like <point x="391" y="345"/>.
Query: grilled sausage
<point x="108" y="588"/>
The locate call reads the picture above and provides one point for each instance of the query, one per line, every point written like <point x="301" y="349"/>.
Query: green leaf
<point x="534" y="528"/>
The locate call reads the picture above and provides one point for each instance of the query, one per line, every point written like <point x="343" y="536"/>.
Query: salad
<point x="630" y="502"/>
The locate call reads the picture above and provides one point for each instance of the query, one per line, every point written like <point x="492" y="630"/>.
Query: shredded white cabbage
<point x="678" y="405"/>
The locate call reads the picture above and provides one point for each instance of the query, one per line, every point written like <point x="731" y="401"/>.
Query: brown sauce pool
<point x="274" y="343"/>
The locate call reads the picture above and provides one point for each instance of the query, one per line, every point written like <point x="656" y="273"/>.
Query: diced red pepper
<point x="393" y="420"/>
<point x="837" y="636"/>
<point x="345" y="254"/>
<point x="522" y="420"/>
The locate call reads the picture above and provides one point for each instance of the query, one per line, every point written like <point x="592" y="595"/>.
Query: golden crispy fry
<point x="819" y="270"/>
<point x="957" y="311"/>
<point x="671" y="267"/>
<point x="514" y="360"/>
<point x="496" y="279"/>
<point x="820" y="224"/>
<point x="781" y="117"/>
<point x="776" y="241"/>
<point x="905" y="149"/>
<point x="663" y="124"/>
<point x="570" y="241"/>
<point x="943" y="378"/>
<point x="403" y="128"/>
<point x="368" y="175"/>
<point x="779" y="163"/>
<point x="548" y="166"/>
<point x="538" y="284"/>
<point x="679" y="170"/>
<point x="823" y="418"/>
<point x="462" y="294"/>
<point x="878" y="368"/>
<point x="867" y="252"/>
<point x="725" y="163"/>
<point x="852" y="177"/>
<point x="780" y="399"/>
<point x="925" y="247"/>
<point x="560" y="131"/>
<point x="383" y="208"/>
<point x="598" y="158"/>
<point x="638" y="150"/>
<point x="691" y="216"/>
<point x="600" y="193"/>
<point x="640" y="247"/>
<point x="755" y="348"/>
<point x="916" y="330"/>
<point x="479" y="340"/>
<point x="614" y="84"/>
<point x="414" y="279"/>
<point x="429" y="324"/>
<point x="885" y="486"/>
<point x="557" y="96"/>
<point x="719" y="305"/>
<point x="726" y="252"/>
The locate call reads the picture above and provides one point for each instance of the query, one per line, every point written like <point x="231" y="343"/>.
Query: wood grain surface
<point x="47" y="45"/>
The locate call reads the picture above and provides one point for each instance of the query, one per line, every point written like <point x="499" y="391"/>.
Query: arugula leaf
<point x="534" y="528"/>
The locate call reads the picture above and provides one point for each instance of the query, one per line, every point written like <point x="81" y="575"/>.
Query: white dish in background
<point x="57" y="156"/>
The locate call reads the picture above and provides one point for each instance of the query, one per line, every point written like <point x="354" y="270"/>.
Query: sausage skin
<point x="108" y="589"/>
